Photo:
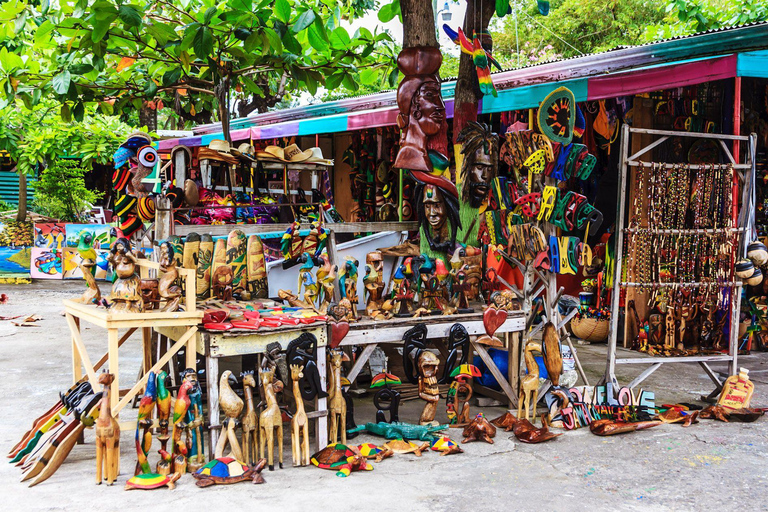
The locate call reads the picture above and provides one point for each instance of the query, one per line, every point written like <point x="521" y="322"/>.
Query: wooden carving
<point x="222" y="283"/>
<point x="529" y="384"/>
<point x="250" y="421"/>
<point x="428" y="389"/>
<point x="479" y="429"/>
<point x="166" y="288"/>
<point x="553" y="357"/>
<point x="299" y="422"/>
<point x="180" y="408"/>
<point x="270" y="420"/>
<point x="88" y="266"/>
<point x="232" y="405"/>
<point x="107" y="435"/>
<point x="337" y="406"/>
<point x="126" y="291"/>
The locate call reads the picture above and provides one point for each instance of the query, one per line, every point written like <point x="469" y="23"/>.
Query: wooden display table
<point x="185" y="321"/>
<point x="215" y="345"/>
<point x="370" y="333"/>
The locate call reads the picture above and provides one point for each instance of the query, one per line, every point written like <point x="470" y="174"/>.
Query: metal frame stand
<point x="746" y="172"/>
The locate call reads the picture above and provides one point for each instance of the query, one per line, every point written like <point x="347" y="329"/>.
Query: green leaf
<point x="129" y="15"/>
<point x="349" y="82"/>
<point x="65" y="113"/>
<point x="209" y="14"/>
<point x="100" y="29"/>
<point x="368" y="76"/>
<point x="241" y="5"/>
<point x="161" y="32"/>
<point x="333" y="81"/>
<point x="393" y="75"/>
<point x="203" y="42"/>
<point x="340" y="39"/>
<point x="386" y="13"/>
<point x="304" y="20"/>
<point x="242" y="33"/>
<point x="80" y="69"/>
<point x="252" y="42"/>
<point x="43" y="35"/>
<point x="274" y="40"/>
<point x="79" y="112"/>
<point x="291" y="44"/>
<point x="315" y="39"/>
<point x="283" y="10"/>
<point x="61" y="82"/>
<point x="171" y="76"/>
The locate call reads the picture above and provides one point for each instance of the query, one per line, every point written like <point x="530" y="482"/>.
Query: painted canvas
<point x="46" y="263"/>
<point x="15" y="247"/>
<point x="71" y="259"/>
<point x="101" y="234"/>
<point x="50" y="235"/>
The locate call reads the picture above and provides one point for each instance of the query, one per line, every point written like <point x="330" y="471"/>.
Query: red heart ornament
<point x="493" y="319"/>
<point x="339" y="331"/>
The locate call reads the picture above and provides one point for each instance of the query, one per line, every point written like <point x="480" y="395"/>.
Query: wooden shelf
<point x="248" y="229"/>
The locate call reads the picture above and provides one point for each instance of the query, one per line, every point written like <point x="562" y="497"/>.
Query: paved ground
<point x="713" y="466"/>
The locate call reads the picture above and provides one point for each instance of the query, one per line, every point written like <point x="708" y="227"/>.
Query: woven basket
<point x="593" y="330"/>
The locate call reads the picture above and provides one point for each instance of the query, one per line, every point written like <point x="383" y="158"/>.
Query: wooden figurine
<point x="144" y="421"/>
<point x="337" y="406"/>
<point x="307" y="280"/>
<point x="348" y="284"/>
<point x="524" y="430"/>
<point x="166" y="287"/>
<point x="479" y="429"/>
<point x="655" y="330"/>
<point x="326" y="277"/>
<point x="228" y="471"/>
<point x="88" y="267"/>
<point x="373" y="281"/>
<point x="428" y="389"/>
<point x="150" y="294"/>
<point x="196" y="457"/>
<point x="232" y="405"/>
<point x="126" y="291"/>
<point x="107" y="435"/>
<point x="163" y="409"/>
<point x="179" y="447"/>
<point x="299" y="422"/>
<point x="250" y="421"/>
<point x="222" y="283"/>
<point x="401" y="289"/>
<point x="529" y="384"/>
<point x="270" y="420"/>
<point x="669" y="323"/>
<point x="553" y="356"/>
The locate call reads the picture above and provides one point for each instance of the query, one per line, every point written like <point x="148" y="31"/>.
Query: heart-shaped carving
<point x="339" y="331"/>
<point x="493" y="319"/>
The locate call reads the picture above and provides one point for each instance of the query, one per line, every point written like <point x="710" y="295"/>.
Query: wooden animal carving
<point x="270" y="420"/>
<point x="232" y="405"/>
<point x="299" y="423"/>
<point x="337" y="406"/>
<point x="250" y="421"/>
<point x="529" y="385"/>
<point x="107" y="436"/>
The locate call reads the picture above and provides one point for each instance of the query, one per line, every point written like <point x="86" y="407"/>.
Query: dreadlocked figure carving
<point x="480" y="148"/>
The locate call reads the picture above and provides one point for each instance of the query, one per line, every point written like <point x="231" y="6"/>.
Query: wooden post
<point x="321" y="404"/>
<point x="77" y="361"/>
<point x="114" y="369"/>
<point x="212" y="373"/>
<point x="163" y="219"/>
<point x="513" y="362"/>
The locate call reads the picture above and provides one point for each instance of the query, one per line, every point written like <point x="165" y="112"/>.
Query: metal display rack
<point x="746" y="173"/>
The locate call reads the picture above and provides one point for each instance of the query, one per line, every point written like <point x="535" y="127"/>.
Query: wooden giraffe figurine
<point x="337" y="406"/>
<point x="232" y="405"/>
<point x="529" y="385"/>
<point x="270" y="420"/>
<point x="107" y="435"/>
<point x="250" y="421"/>
<point x="299" y="423"/>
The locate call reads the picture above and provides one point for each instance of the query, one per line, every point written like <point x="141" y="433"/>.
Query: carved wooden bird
<point x="146" y="407"/>
<point x="163" y="398"/>
<point x="231" y="404"/>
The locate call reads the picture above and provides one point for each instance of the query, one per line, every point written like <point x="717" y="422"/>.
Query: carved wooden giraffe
<point x="299" y="423"/>
<point x="270" y="420"/>
<point x="337" y="406"/>
<point x="529" y="385"/>
<point x="250" y="420"/>
<point x="107" y="435"/>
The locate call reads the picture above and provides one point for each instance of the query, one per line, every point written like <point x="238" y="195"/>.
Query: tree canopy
<point x="198" y="57"/>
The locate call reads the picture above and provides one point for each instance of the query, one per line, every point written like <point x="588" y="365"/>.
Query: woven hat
<point x="294" y="154"/>
<point x="130" y="225"/>
<point x="124" y="204"/>
<point x="219" y="145"/>
<point x="185" y="149"/>
<point x="146" y="208"/>
<point x="211" y="154"/>
<point x="245" y="150"/>
<point x="122" y="155"/>
<point x="317" y="157"/>
<point x="136" y="140"/>
<point x="272" y="153"/>
<point x="120" y="178"/>
<point x="191" y="193"/>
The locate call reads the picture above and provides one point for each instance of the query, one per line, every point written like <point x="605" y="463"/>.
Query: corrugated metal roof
<point x="620" y="58"/>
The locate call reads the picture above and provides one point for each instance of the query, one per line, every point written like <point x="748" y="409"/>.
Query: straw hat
<point x="272" y="153"/>
<point x="317" y="157"/>
<point x="184" y="149"/>
<point x="294" y="154"/>
<point x="219" y="145"/>
<point x="245" y="150"/>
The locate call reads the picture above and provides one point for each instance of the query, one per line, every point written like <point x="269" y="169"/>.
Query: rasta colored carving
<point x="480" y="147"/>
<point x="438" y="212"/>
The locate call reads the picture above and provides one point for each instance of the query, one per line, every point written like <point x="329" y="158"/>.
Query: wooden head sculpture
<point x="480" y="147"/>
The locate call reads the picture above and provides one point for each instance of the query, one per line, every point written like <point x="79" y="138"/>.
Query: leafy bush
<point x="61" y="192"/>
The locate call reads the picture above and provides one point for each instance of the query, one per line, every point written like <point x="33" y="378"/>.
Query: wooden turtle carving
<point x="226" y="470"/>
<point x="403" y="446"/>
<point x="147" y="481"/>
<point x="341" y="458"/>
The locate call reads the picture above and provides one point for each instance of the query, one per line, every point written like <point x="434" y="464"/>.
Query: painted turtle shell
<point x="224" y="467"/>
<point x="151" y="481"/>
<point x="332" y="455"/>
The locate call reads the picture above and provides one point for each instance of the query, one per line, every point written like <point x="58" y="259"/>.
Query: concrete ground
<point x="712" y="465"/>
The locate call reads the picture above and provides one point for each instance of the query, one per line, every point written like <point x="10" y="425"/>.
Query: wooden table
<point x="371" y="333"/>
<point x="184" y="322"/>
<point x="239" y="342"/>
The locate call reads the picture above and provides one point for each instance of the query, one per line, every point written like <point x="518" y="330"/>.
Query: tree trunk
<point x="148" y="117"/>
<point x="222" y="95"/>
<point x="467" y="94"/>
<point x="418" y="23"/>
<point x="21" y="214"/>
